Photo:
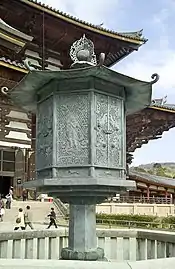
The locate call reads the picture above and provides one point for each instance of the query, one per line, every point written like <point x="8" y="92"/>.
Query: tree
<point x="157" y="165"/>
<point x="139" y="169"/>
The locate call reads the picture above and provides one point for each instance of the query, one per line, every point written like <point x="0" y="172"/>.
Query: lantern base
<point x="82" y="233"/>
<point x="93" y="255"/>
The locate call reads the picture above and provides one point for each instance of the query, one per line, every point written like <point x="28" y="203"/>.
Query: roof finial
<point x="82" y="52"/>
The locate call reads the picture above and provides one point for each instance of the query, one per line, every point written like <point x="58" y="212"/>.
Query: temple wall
<point x="161" y="210"/>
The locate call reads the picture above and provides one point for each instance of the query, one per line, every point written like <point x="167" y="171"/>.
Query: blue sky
<point x="157" y="18"/>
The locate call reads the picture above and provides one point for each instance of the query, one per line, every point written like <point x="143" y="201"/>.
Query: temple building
<point x="33" y="35"/>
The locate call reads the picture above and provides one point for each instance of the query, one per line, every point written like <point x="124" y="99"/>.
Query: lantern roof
<point x="138" y="93"/>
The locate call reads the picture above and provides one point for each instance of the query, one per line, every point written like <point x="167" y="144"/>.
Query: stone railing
<point x="42" y="264"/>
<point x="162" y="210"/>
<point x="155" y="209"/>
<point x="61" y="207"/>
<point x="119" y="245"/>
<point x="141" y="200"/>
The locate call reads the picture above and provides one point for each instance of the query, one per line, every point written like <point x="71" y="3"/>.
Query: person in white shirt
<point x="20" y="220"/>
<point x="9" y="201"/>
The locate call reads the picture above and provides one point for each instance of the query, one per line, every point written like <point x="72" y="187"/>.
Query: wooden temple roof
<point x="56" y="31"/>
<point x="152" y="179"/>
<point x="13" y="65"/>
<point x="149" y="124"/>
<point x="129" y="36"/>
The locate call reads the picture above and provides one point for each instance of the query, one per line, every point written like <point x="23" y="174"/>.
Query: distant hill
<point x="158" y="169"/>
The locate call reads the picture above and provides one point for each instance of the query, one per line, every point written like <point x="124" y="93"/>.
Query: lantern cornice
<point x="138" y="93"/>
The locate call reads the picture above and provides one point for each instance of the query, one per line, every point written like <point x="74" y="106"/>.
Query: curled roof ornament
<point x="4" y="90"/>
<point x="155" y="77"/>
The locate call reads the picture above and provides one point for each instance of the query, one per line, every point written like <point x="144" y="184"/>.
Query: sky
<point x="157" y="19"/>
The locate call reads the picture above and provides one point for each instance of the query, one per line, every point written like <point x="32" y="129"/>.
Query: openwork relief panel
<point x="101" y="125"/>
<point x="44" y="142"/>
<point x="109" y="131"/>
<point x="116" y="135"/>
<point x="73" y="130"/>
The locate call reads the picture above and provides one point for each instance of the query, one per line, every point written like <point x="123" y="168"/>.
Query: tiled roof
<point x="14" y="63"/>
<point x="164" y="106"/>
<point x="152" y="179"/>
<point x="133" y="35"/>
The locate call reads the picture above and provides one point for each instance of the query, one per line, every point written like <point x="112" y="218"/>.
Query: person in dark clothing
<point x="52" y="216"/>
<point x="24" y="195"/>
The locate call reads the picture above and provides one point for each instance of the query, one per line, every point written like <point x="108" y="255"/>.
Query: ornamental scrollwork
<point x="4" y="90"/>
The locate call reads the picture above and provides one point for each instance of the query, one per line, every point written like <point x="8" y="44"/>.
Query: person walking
<point x="8" y="201"/>
<point x="24" y="195"/>
<point x="11" y="191"/>
<point x="52" y="216"/>
<point x="20" y="220"/>
<point x="28" y="217"/>
<point x="2" y="211"/>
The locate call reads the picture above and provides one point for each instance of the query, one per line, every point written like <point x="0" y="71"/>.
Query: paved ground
<point x="39" y="210"/>
<point x="9" y="226"/>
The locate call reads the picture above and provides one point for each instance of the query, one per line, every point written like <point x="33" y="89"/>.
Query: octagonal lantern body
<point x="80" y="144"/>
<point x="81" y="133"/>
<point x="83" y="130"/>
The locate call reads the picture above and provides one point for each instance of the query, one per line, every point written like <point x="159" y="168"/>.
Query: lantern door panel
<point x="109" y="139"/>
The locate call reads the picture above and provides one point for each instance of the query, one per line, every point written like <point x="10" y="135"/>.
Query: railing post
<point x="132" y="249"/>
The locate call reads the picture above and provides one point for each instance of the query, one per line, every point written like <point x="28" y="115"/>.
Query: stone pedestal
<point x="82" y="234"/>
<point x="82" y="222"/>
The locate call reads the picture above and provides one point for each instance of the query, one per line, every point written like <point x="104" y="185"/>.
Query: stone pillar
<point x="82" y="234"/>
<point x="166" y="195"/>
<point x="148" y="192"/>
<point x="82" y="222"/>
<point x="171" y="198"/>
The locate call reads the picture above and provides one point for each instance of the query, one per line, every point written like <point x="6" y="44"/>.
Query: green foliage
<point x="169" y="220"/>
<point x="139" y="169"/>
<point x="136" y="221"/>
<point x="143" y="218"/>
<point x="158" y="169"/>
<point x="157" y="165"/>
<point x="151" y="172"/>
<point x="161" y="172"/>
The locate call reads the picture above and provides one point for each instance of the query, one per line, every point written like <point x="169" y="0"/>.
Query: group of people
<point x="24" y="219"/>
<point x="6" y="205"/>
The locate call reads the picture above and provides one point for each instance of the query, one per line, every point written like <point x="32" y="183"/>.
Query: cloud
<point x="157" y="56"/>
<point x="96" y="12"/>
<point x="143" y="65"/>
